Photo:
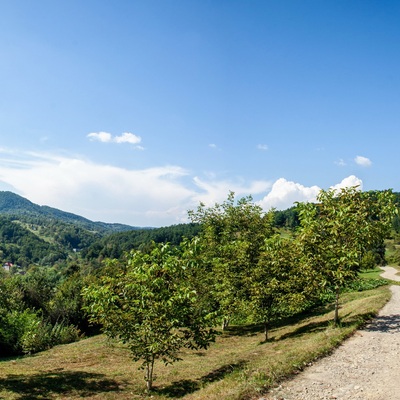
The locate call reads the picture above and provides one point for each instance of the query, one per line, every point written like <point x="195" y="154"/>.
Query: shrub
<point x="41" y="335"/>
<point x="37" y="337"/>
<point x="63" y="334"/>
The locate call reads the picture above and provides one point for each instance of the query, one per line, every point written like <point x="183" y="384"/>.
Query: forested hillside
<point x="20" y="246"/>
<point x="114" y="245"/>
<point x="40" y="235"/>
<point x="22" y="209"/>
<point x="30" y="235"/>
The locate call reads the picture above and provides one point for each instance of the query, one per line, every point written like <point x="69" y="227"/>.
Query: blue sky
<point x="135" y="111"/>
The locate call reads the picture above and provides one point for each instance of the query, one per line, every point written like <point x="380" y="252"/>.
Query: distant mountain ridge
<point x="12" y="204"/>
<point x="31" y="234"/>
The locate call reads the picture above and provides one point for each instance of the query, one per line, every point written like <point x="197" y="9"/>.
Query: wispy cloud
<point x="263" y="147"/>
<point x="212" y="146"/>
<point x="158" y="196"/>
<point x="125" y="137"/>
<point x="215" y="191"/>
<point x="363" y="161"/>
<point x="340" y="162"/>
<point x="99" y="191"/>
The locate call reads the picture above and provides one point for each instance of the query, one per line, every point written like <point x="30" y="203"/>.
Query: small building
<point x="7" y="266"/>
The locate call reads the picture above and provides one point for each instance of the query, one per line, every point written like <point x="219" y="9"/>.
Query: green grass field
<point x="238" y="366"/>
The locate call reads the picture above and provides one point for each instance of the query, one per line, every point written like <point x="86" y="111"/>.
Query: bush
<point x="37" y="337"/>
<point x="26" y="332"/>
<point x="14" y="327"/>
<point x="63" y="334"/>
<point x="41" y="335"/>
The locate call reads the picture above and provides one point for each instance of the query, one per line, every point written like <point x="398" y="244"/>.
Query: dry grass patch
<point x="238" y="366"/>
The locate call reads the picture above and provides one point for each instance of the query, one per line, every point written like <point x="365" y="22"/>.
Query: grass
<point x="374" y="273"/>
<point x="238" y="366"/>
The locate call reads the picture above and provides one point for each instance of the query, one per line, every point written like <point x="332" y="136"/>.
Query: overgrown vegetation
<point x="39" y="310"/>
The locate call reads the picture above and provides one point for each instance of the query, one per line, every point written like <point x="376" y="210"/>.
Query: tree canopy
<point x="338" y="230"/>
<point x="152" y="306"/>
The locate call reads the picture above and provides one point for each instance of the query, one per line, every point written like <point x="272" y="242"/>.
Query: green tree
<point x="14" y="316"/>
<point x="278" y="284"/>
<point x="232" y="238"/>
<point x="39" y="285"/>
<point x="65" y="306"/>
<point x="339" y="230"/>
<point x="152" y="307"/>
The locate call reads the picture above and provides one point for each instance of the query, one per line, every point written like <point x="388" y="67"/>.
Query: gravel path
<point x="364" y="367"/>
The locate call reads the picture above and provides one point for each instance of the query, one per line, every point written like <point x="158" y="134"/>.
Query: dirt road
<point x="364" y="367"/>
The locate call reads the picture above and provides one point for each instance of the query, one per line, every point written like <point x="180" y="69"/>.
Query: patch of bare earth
<point x="364" y="367"/>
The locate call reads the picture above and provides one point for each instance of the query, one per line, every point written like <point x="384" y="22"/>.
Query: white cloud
<point x="363" y="161"/>
<point x="350" y="181"/>
<point x="158" y="196"/>
<point x="148" y="197"/>
<point x="127" y="137"/>
<point x="212" y="145"/>
<point x="285" y="193"/>
<point x="263" y="147"/>
<point x="106" y="137"/>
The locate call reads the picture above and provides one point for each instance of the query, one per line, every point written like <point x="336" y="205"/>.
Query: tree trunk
<point x="225" y="323"/>
<point x="336" y="318"/>
<point x="149" y="374"/>
<point x="266" y="331"/>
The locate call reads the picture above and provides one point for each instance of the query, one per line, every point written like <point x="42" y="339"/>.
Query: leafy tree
<point x="339" y="230"/>
<point x="10" y="301"/>
<point x="396" y="224"/>
<point x="15" y="318"/>
<point x="232" y="237"/>
<point x="278" y="283"/>
<point x="38" y="286"/>
<point x="152" y="306"/>
<point x="66" y="304"/>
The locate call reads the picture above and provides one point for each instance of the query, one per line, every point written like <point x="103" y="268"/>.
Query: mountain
<point x="16" y="206"/>
<point x="42" y="235"/>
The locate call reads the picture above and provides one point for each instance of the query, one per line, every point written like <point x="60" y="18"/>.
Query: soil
<point x="364" y="367"/>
